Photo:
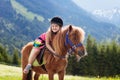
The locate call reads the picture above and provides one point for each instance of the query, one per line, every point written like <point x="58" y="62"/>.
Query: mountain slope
<point x="71" y="14"/>
<point x="15" y="29"/>
<point x="24" y="12"/>
<point x="110" y="16"/>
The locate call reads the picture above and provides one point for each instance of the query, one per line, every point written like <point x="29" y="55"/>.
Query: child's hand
<point x="56" y="57"/>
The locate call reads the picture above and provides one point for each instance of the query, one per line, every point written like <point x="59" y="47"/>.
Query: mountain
<point x="23" y="20"/>
<point x="71" y="14"/>
<point x="111" y="16"/>
<point x="15" y="29"/>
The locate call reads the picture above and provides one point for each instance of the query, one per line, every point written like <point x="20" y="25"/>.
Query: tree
<point x="103" y="59"/>
<point x="4" y="57"/>
<point x="16" y="59"/>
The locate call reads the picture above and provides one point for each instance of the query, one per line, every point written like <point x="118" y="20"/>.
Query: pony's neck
<point x="59" y="43"/>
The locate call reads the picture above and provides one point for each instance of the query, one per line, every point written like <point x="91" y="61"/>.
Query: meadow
<point x="14" y="73"/>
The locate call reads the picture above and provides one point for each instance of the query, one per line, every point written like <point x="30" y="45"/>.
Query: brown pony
<point x="68" y="41"/>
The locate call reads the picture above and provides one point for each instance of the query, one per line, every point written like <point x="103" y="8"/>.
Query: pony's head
<point x="74" y="41"/>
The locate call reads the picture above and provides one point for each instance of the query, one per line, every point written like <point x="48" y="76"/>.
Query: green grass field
<point x="14" y="73"/>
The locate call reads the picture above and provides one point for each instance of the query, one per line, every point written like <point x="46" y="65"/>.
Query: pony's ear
<point x="70" y="28"/>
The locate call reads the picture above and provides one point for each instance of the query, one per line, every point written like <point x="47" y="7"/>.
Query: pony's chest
<point x="58" y="66"/>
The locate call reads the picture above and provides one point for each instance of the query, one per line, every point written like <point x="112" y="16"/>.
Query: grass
<point x="14" y="73"/>
<point x="9" y="72"/>
<point x="24" y="12"/>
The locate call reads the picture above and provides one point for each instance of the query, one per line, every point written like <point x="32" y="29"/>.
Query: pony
<point x="68" y="41"/>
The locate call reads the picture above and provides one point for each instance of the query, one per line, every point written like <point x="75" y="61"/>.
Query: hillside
<point x="72" y="14"/>
<point x="23" y="20"/>
<point x="15" y="29"/>
<point x="109" y="15"/>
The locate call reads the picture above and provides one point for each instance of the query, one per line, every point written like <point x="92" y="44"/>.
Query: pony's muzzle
<point x="78" y="58"/>
<point x="80" y="53"/>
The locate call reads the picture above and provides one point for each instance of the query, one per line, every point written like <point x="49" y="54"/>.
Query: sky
<point x="91" y="5"/>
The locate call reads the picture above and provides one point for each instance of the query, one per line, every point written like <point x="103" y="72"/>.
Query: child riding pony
<point x="68" y="41"/>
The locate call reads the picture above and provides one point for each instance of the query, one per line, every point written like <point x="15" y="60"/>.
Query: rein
<point x="56" y="54"/>
<point x="69" y="42"/>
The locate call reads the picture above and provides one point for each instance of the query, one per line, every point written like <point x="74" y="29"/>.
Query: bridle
<point x="72" y="46"/>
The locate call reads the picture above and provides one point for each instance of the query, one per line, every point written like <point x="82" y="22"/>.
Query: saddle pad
<point x="39" y="59"/>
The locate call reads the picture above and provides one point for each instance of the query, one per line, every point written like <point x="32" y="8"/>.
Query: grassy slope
<point x="23" y="11"/>
<point x="14" y="73"/>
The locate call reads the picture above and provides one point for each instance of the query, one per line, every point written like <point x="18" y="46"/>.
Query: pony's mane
<point x="59" y="40"/>
<point x="81" y="31"/>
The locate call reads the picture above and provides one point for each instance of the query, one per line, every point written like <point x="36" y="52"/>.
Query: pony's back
<point x="28" y="46"/>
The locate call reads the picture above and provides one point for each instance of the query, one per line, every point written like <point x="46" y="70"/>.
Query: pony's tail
<point x="25" y="52"/>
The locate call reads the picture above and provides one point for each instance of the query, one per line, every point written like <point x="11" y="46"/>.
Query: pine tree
<point x="3" y="55"/>
<point x="92" y="51"/>
<point x="16" y="60"/>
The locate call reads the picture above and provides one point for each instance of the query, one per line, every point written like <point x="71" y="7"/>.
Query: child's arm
<point x="48" y="42"/>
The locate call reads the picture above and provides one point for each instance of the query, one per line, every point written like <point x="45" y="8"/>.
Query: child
<point x="56" y="24"/>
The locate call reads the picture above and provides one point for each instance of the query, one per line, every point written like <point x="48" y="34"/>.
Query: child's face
<point x="55" y="27"/>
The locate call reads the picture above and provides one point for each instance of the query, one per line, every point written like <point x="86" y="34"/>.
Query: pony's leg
<point x="24" y="76"/>
<point x="36" y="76"/>
<point x="51" y="76"/>
<point x="27" y="76"/>
<point x="61" y="75"/>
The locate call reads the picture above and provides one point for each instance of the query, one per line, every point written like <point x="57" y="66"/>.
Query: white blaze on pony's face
<point x="81" y="53"/>
<point x="76" y="37"/>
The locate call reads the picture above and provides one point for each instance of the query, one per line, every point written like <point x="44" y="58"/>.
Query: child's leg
<point x="33" y="55"/>
<point x="31" y="59"/>
<point x="34" y="52"/>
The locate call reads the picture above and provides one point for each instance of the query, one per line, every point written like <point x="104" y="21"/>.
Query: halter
<point x="69" y="42"/>
<point x="73" y="46"/>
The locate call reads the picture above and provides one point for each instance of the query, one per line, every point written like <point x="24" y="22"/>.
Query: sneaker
<point x="27" y="68"/>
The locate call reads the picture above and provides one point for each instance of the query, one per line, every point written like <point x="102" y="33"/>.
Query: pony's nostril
<point x="80" y="53"/>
